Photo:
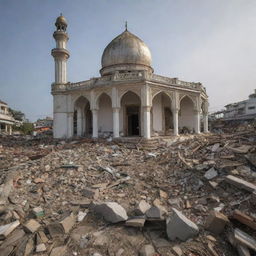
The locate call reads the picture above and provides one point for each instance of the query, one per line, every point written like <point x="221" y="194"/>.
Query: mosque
<point x="128" y="99"/>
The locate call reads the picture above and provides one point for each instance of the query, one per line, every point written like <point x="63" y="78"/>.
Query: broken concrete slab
<point x="90" y="193"/>
<point x="179" y="226"/>
<point x="211" y="173"/>
<point x="242" y="184"/>
<point x="147" y="250"/>
<point x="40" y="248"/>
<point x="8" y="228"/>
<point x="31" y="226"/>
<point x="245" y="219"/>
<point x="142" y="207"/>
<point x="136" y="222"/>
<point x="111" y="212"/>
<point x="38" y="212"/>
<point x="216" y="222"/>
<point x="68" y="223"/>
<point x="244" y="239"/>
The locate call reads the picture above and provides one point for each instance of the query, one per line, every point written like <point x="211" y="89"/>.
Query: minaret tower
<point x="60" y="53"/>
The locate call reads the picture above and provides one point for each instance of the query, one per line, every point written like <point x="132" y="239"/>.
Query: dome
<point x="126" y="52"/>
<point x="61" y="20"/>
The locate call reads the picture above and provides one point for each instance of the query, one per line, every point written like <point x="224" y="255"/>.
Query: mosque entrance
<point x="133" y="127"/>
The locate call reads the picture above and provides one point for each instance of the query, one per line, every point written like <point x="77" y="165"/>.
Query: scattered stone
<point x="210" y="174"/>
<point x="39" y="180"/>
<point x="135" y="222"/>
<point x="215" y="147"/>
<point x="177" y="250"/>
<point x="85" y="203"/>
<point x="163" y="194"/>
<point x="81" y="215"/>
<point x="142" y="207"/>
<point x="111" y="212"/>
<point x="147" y="250"/>
<point x="38" y="212"/>
<point x="90" y="193"/>
<point x="216" y="222"/>
<point x="179" y="226"/>
<point x="40" y="248"/>
<point x="58" y="251"/>
<point x="68" y="223"/>
<point x="242" y="184"/>
<point x="154" y="213"/>
<point x="8" y="228"/>
<point x="32" y="226"/>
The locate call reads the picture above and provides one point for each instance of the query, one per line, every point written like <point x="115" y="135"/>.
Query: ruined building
<point x="6" y="119"/>
<point x="128" y="99"/>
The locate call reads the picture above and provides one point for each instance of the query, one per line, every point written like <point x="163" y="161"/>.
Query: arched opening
<point x="105" y="115"/>
<point x="186" y="115"/>
<point x="82" y="117"/>
<point x="162" y="118"/>
<point x="130" y="116"/>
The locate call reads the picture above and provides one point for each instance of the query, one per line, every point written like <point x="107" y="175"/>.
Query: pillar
<point x="70" y="120"/>
<point x="6" y="128"/>
<point x="116" y="122"/>
<point x="175" y="113"/>
<point x="206" y="123"/>
<point x="197" y="121"/>
<point x="10" y="130"/>
<point x="95" y="123"/>
<point x="146" y="122"/>
<point x="79" y="122"/>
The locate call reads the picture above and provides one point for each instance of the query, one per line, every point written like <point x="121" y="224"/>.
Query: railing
<point x="128" y="76"/>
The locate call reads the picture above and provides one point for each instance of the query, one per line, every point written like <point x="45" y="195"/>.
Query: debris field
<point x="194" y="196"/>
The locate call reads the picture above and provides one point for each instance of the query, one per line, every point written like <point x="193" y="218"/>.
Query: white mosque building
<point x="128" y="99"/>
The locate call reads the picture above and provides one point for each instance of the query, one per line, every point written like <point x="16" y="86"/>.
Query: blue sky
<point x="211" y="41"/>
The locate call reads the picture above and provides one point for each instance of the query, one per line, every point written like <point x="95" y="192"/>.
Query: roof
<point x="2" y="102"/>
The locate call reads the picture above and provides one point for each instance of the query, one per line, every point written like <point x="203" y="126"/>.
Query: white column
<point x="197" y="121"/>
<point x="95" y="123"/>
<point x="6" y="128"/>
<point x="206" y="123"/>
<point x="116" y="122"/>
<point x="70" y="119"/>
<point x="175" y="114"/>
<point x="146" y="114"/>
<point x="10" y="130"/>
<point x="79" y="122"/>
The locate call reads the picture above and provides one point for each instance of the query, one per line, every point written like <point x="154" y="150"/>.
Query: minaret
<point x="60" y="53"/>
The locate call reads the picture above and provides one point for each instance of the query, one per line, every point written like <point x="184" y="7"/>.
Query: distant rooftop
<point x="2" y="102"/>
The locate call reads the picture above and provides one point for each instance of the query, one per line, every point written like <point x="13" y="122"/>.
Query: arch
<point x="77" y="97"/>
<point x="105" y="115"/>
<point x="164" y="92"/>
<point x="162" y="117"/>
<point x="82" y="117"/>
<point x="122" y="93"/>
<point x="99" y="95"/>
<point x="130" y="114"/>
<point x="191" y="98"/>
<point x="186" y="114"/>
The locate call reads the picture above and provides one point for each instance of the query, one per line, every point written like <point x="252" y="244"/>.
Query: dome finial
<point x="126" y="26"/>
<point x="61" y="14"/>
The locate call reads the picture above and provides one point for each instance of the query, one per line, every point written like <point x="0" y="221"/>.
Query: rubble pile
<point x="193" y="196"/>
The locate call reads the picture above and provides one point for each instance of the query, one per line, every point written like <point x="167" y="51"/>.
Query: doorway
<point x="133" y="120"/>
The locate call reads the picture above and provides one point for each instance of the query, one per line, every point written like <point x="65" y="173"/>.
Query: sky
<point x="207" y="41"/>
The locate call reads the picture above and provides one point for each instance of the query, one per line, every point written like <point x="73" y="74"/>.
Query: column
<point x="70" y="119"/>
<point x="146" y="114"/>
<point x="79" y="122"/>
<point x="197" y="121"/>
<point x="95" y="123"/>
<point x="206" y="122"/>
<point x="175" y="114"/>
<point x="6" y="128"/>
<point x="116" y="122"/>
<point x="10" y="130"/>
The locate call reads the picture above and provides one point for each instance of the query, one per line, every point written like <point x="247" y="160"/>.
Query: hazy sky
<point x="211" y="41"/>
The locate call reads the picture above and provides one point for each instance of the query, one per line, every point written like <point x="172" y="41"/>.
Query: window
<point x="253" y="107"/>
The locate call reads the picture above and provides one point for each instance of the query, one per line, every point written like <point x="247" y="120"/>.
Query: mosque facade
<point x="127" y="99"/>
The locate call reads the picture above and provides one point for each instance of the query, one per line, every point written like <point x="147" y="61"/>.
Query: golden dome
<point x="61" y="20"/>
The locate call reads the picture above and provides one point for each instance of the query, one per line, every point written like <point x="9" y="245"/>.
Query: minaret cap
<point x="61" y="20"/>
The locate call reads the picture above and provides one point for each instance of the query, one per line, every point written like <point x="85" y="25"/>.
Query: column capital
<point x="115" y="109"/>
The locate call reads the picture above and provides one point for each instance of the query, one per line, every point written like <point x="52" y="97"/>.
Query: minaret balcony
<point x="60" y="53"/>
